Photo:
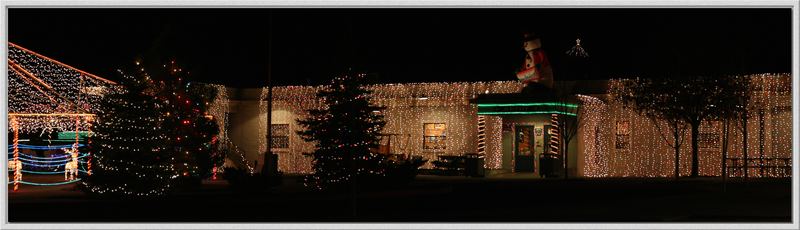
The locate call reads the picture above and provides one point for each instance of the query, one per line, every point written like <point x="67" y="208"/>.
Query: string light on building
<point x="642" y="154"/>
<point x="405" y="114"/>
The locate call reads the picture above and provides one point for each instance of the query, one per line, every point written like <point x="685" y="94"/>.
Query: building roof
<point x="42" y="85"/>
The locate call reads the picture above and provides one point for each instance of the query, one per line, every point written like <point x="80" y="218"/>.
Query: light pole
<point x="268" y="153"/>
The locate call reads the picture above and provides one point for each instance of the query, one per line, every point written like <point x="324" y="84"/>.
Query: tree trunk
<point x="725" y="128"/>
<point x="677" y="146"/>
<point x="695" y="134"/>
<point x="744" y="145"/>
<point x="268" y="153"/>
<point x="566" y="158"/>
<point x="761" y="143"/>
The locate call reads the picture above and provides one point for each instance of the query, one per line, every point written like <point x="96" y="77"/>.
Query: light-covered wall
<point x="594" y="149"/>
<point x="649" y="155"/>
<point x="408" y="108"/>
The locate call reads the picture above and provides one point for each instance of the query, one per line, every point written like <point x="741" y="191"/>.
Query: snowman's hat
<point x="529" y="36"/>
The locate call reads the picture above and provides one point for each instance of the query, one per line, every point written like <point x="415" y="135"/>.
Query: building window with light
<point x="434" y="136"/>
<point x="622" y="135"/>
<point x="280" y="136"/>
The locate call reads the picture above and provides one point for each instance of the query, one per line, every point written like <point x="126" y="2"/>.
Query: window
<point x="434" y="136"/>
<point x="623" y="134"/>
<point x="280" y="136"/>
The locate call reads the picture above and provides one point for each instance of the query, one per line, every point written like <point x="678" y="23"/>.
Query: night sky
<point x="310" y="46"/>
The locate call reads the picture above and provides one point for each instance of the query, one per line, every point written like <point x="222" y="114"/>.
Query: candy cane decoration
<point x="17" y="163"/>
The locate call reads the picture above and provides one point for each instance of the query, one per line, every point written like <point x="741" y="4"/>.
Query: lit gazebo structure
<point x="47" y="96"/>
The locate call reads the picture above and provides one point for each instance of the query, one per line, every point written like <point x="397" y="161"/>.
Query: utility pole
<point x="268" y="153"/>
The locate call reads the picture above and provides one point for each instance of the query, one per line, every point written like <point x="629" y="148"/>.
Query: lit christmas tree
<point x="154" y="131"/>
<point x="344" y="131"/>
<point x="131" y="157"/>
<point x="192" y="131"/>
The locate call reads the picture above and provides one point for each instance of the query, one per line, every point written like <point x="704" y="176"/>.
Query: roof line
<point x="31" y="75"/>
<point x="60" y="63"/>
<point x="22" y="76"/>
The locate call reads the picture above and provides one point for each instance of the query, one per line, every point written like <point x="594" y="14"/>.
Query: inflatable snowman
<point x="537" y="69"/>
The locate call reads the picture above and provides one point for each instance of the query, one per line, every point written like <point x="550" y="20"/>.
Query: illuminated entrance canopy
<point x="518" y="108"/>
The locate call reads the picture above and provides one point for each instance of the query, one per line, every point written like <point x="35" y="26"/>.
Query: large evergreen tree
<point x="131" y="151"/>
<point x="344" y="132"/>
<point x="152" y="130"/>
<point x="191" y="130"/>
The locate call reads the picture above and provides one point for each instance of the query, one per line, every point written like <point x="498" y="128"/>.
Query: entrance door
<point x="524" y="148"/>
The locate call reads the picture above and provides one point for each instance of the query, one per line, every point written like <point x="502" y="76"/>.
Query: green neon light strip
<point x="528" y="104"/>
<point x="526" y="113"/>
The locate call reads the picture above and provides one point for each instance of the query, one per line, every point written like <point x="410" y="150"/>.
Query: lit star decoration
<point x="577" y="50"/>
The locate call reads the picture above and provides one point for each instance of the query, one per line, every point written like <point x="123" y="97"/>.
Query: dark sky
<point x="229" y="46"/>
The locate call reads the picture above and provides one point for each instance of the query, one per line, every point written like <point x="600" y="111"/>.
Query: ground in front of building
<point x="498" y="198"/>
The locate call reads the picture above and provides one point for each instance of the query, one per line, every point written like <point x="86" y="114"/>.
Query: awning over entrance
<point x="532" y="100"/>
<point x="526" y="108"/>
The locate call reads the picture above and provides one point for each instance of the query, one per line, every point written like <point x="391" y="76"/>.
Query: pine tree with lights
<point x="344" y="132"/>
<point x="192" y="131"/>
<point x="132" y="155"/>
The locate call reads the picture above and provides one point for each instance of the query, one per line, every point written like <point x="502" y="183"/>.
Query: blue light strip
<point x="48" y="173"/>
<point x="45" y="158"/>
<point x="58" y="165"/>
<point x="54" y="161"/>
<point x="47" y="184"/>
<point x="43" y="147"/>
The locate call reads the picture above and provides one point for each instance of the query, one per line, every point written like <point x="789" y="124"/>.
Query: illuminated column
<point x="481" y="134"/>
<point x="554" y="138"/>
<point x="17" y="165"/>
<point x="89" y="144"/>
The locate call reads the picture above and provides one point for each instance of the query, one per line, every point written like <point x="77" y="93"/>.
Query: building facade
<point x="435" y="119"/>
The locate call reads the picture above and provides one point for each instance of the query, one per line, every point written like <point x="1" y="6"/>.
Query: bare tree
<point x="653" y="100"/>
<point x="677" y="129"/>
<point x="690" y="101"/>
<point x="569" y="120"/>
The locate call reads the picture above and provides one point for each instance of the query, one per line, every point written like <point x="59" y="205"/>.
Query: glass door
<point x="524" y="148"/>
